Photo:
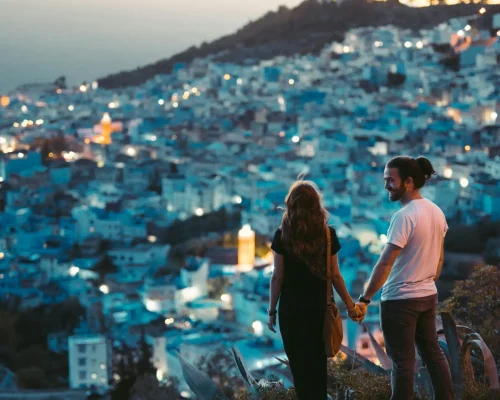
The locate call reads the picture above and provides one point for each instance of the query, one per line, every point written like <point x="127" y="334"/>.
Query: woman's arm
<point x="276" y="280"/>
<point x="339" y="284"/>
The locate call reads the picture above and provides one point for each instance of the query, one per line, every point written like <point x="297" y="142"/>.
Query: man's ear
<point x="409" y="181"/>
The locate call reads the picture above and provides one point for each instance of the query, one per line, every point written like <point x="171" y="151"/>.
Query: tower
<point x="246" y="248"/>
<point x="106" y="129"/>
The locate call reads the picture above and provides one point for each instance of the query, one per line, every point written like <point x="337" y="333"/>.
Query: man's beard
<point x="396" y="195"/>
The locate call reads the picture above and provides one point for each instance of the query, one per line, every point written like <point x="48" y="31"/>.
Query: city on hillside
<point x="136" y="223"/>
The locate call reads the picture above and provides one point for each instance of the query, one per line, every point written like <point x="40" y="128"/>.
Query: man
<point x="407" y="270"/>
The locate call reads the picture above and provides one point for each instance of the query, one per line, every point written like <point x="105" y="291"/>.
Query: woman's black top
<point x="301" y="290"/>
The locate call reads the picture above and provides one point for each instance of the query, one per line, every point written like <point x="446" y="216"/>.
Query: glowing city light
<point x="113" y="104"/>
<point x="461" y="33"/>
<point x="237" y="199"/>
<point x="4" y="101"/>
<point x="169" y="321"/>
<point x="239" y="81"/>
<point x="383" y="239"/>
<point x="161" y="102"/>
<point x="199" y="212"/>
<point x="24" y="109"/>
<point x="258" y="328"/>
<point x="152" y="239"/>
<point x="83" y="88"/>
<point x="291" y="81"/>
<point x="226" y="298"/>
<point x="419" y="45"/>
<point x="185" y="96"/>
<point x="448" y="173"/>
<point x="71" y="107"/>
<point x="95" y="85"/>
<point x="408" y="44"/>
<point x="467" y="148"/>
<point x="467" y="28"/>
<point x="2" y="255"/>
<point x="346" y="49"/>
<point x="464" y="182"/>
<point x="227" y="77"/>
<point x="73" y="270"/>
<point x="20" y="155"/>
<point x="131" y="152"/>
<point x="39" y="122"/>
<point x="482" y="10"/>
<point x="93" y="376"/>
<point x="104" y="289"/>
<point x="15" y="125"/>
<point x="295" y="139"/>
<point x="175" y="104"/>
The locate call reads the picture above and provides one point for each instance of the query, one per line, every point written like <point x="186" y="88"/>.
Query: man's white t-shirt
<point x="418" y="228"/>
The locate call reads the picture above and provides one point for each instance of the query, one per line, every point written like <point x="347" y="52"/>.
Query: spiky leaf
<point x="201" y="385"/>
<point x="451" y="334"/>
<point x="364" y="362"/>
<point x="382" y="356"/>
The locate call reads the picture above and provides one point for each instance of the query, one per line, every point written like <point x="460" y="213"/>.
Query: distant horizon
<point x="92" y="40"/>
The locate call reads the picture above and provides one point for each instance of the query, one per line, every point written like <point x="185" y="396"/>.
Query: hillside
<point x="301" y="30"/>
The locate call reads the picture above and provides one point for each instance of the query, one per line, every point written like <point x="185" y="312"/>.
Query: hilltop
<point x="301" y="30"/>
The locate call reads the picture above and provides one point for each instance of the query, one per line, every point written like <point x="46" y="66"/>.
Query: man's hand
<point x="364" y="309"/>
<point x="271" y="323"/>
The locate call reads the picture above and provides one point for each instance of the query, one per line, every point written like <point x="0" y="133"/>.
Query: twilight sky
<point x="86" y="39"/>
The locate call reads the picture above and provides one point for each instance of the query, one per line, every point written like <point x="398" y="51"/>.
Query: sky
<point x="87" y="39"/>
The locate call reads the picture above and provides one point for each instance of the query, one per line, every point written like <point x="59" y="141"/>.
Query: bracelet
<point x="271" y="313"/>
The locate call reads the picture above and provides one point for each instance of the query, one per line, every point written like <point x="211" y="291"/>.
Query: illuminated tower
<point x="246" y="248"/>
<point x="106" y="129"/>
<point x="4" y="101"/>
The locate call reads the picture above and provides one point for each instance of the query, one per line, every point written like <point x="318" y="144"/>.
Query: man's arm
<point x="440" y="263"/>
<point x="382" y="269"/>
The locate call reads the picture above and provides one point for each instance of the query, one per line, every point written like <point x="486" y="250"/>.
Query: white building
<point x="89" y="362"/>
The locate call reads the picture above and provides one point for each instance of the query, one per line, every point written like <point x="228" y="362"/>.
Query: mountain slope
<point x="304" y="29"/>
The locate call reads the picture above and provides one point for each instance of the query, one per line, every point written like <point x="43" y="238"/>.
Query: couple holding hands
<point x="407" y="269"/>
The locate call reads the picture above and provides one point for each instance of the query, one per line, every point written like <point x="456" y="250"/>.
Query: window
<point x="94" y="362"/>
<point x="94" y="348"/>
<point x="82" y="375"/>
<point x="82" y="362"/>
<point x="81" y="348"/>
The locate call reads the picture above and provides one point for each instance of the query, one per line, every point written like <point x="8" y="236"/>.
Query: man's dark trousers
<point x="404" y="323"/>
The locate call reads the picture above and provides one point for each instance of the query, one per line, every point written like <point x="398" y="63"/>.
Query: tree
<point x="127" y="373"/>
<point x="147" y="387"/>
<point x="475" y="302"/>
<point x="144" y="365"/>
<point x="105" y="266"/>
<point x="32" y="378"/>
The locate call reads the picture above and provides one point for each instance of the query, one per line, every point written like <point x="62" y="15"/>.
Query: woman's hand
<point x="271" y="322"/>
<point x="356" y="314"/>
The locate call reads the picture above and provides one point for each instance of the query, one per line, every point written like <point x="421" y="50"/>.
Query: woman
<point x="299" y="281"/>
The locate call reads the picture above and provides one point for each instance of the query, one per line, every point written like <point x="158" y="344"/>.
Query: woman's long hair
<point x="303" y="226"/>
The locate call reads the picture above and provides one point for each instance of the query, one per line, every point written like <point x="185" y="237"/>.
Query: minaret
<point x="106" y="129"/>
<point x="246" y="248"/>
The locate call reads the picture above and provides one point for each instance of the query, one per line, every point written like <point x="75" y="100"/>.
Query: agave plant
<point x="199" y="383"/>
<point x="461" y="340"/>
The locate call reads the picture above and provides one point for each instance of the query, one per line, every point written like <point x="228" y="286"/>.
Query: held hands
<point x="358" y="312"/>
